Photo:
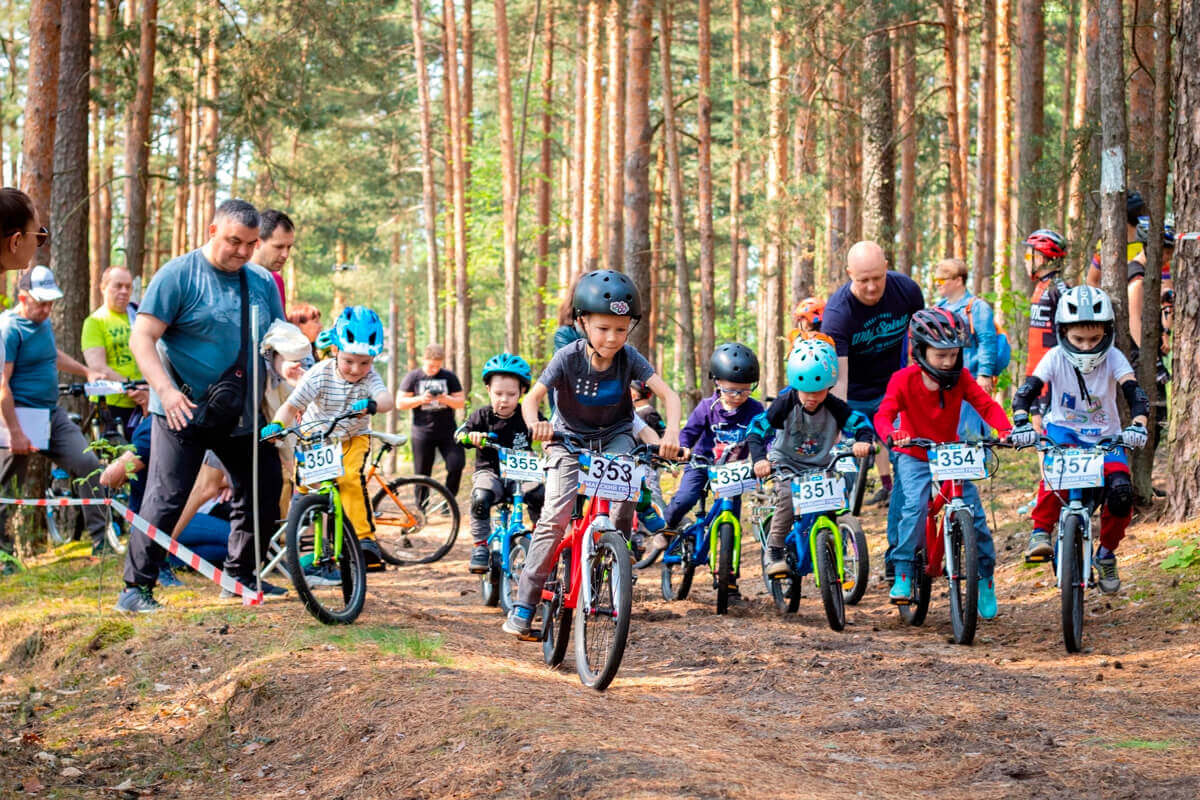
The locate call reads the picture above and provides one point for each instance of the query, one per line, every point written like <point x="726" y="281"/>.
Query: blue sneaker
<point x="520" y="621"/>
<point x="987" y="598"/>
<point x="902" y="587"/>
<point x="167" y="578"/>
<point x="323" y="575"/>
<point x="137" y="600"/>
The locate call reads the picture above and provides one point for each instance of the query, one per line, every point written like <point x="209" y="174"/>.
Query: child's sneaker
<point x="902" y="588"/>
<point x="1109" y="582"/>
<point x="1039" y="549"/>
<point x="372" y="555"/>
<point x="777" y="566"/>
<point x="987" y="598"/>
<point x="519" y="621"/>
<point x="481" y="560"/>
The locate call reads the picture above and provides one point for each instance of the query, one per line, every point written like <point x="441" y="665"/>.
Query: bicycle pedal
<point x="1037" y="559"/>
<point x="901" y="601"/>
<point x="534" y="635"/>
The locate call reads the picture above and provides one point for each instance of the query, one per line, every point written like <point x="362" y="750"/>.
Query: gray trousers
<point x="784" y="518"/>
<point x="562" y="487"/>
<point x="68" y="450"/>
<point x="481" y="523"/>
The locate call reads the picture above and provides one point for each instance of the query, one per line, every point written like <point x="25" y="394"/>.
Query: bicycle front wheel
<point x="725" y="576"/>
<point x="416" y="520"/>
<point x="1073" y="579"/>
<point x="602" y="629"/>
<point x="856" y="561"/>
<point x="331" y="582"/>
<point x="964" y="584"/>
<point x="831" y="584"/>
<point x="511" y="579"/>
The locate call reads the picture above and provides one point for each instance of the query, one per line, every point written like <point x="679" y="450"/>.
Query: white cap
<point x="39" y="284"/>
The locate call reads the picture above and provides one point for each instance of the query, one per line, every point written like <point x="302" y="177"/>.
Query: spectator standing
<point x="21" y="232"/>
<point x="434" y="393"/>
<point x="276" y="238"/>
<point x="979" y="356"/>
<point x="105" y="343"/>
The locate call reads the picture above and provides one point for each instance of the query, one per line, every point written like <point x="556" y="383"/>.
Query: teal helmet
<point x="324" y="339"/>
<point x="812" y="365"/>
<point x="508" y="364"/>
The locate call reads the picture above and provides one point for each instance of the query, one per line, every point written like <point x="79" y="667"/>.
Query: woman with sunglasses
<point x="21" y="229"/>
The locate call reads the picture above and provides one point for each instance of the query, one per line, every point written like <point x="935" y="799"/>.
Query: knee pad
<point x="1119" y="494"/>
<point x="482" y="501"/>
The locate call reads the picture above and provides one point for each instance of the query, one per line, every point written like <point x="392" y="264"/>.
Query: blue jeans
<point x="914" y="475"/>
<point x="869" y="407"/>
<point x="207" y="537"/>
<point x="691" y="489"/>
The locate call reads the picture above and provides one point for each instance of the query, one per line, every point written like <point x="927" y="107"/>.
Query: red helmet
<point x="1049" y="243"/>
<point x="811" y="310"/>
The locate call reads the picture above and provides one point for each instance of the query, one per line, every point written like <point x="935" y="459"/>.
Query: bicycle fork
<point x="955" y="505"/>
<point x="601" y="524"/>
<point x="1085" y="542"/>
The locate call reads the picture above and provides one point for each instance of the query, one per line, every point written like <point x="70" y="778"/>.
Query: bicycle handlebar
<point x="80" y="389"/>
<point x="644" y="453"/>
<point x="929" y="444"/>
<point x="1108" y="443"/>
<point x="298" y="428"/>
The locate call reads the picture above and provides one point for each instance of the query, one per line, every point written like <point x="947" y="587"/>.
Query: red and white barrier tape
<point x="249" y="596"/>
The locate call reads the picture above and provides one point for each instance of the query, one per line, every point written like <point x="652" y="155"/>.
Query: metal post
<point x="256" y="399"/>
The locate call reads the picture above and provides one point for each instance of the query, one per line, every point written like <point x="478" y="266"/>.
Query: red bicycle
<point x="592" y="582"/>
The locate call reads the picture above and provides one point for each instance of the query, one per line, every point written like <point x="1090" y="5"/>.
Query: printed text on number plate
<point x="322" y="462"/>
<point x="1075" y="469"/>
<point x="612" y="478"/>
<point x="957" y="461"/>
<point x="521" y="465"/>
<point x="819" y="492"/>
<point x="733" y="479"/>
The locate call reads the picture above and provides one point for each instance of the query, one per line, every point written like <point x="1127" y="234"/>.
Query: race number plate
<point x="1074" y="469"/>
<point x="321" y="462"/>
<point x="98" y="388"/>
<point x="818" y="492"/>
<point x="957" y="461"/>
<point x="732" y="479"/>
<point x="521" y="465"/>
<point x="612" y="477"/>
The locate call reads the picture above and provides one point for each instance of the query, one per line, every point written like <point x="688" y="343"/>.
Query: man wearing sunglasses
<point x="30" y="395"/>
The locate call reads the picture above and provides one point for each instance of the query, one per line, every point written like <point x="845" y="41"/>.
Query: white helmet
<point x="1088" y="306"/>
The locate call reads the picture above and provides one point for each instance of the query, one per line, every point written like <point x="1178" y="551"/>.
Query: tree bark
<point x="450" y="164"/>
<point x="1088" y="30"/>
<point x="658" y="288"/>
<point x="508" y="185"/>
<point x="962" y="100"/>
<point x="1112" y="168"/>
<point x="1031" y="95"/>
<point x="458" y="134"/>
<point x="179" y="228"/>
<point x="737" y="282"/>
<point x="210" y="124"/>
<point x="1004" y="114"/>
<point x="615" y="101"/>
<point x="428" y="186"/>
<point x="985" y="234"/>
<point x="41" y="110"/>
<point x="638" y="136"/>
<point x="1140" y="92"/>
<point x="908" y="151"/>
<point x="685" y="335"/>
<point x="879" y="154"/>
<point x="774" y="266"/>
<point x="95" y="270"/>
<point x="954" y="155"/>
<point x="804" y="173"/>
<point x="1064" y="136"/>
<point x="579" y="138"/>
<point x="137" y="142"/>
<point x="708" y="307"/>
<point x="545" y="171"/>
<point x="592" y="164"/>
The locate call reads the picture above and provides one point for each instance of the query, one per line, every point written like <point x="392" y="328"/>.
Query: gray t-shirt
<point x="591" y="403"/>
<point x="202" y="308"/>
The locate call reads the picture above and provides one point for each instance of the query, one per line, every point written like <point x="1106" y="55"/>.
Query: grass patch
<point x="108" y="633"/>
<point x="1138" y="744"/>
<point x="387" y="639"/>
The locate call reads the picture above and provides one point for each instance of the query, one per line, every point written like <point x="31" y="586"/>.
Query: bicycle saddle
<point x="393" y="439"/>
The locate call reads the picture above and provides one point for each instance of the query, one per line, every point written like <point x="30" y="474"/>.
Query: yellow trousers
<point x="352" y="486"/>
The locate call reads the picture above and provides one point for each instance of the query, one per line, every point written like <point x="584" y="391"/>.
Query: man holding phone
<point x="434" y="394"/>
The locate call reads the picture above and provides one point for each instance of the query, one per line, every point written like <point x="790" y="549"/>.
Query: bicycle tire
<point x="725" y="576"/>
<point x="964" y="589"/>
<point x="556" y="620"/>
<point x="351" y="566"/>
<point x="831" y="584"/>
<point x="489" y="582"/>
<point x="511" y="579"/>
<point x="423" y="531"/>
<point x="685" y="570"/>
<point x="784" y="591"/>
<point x="860" y="486"/>
<point x="600" y="636"/>
<point x="914" y="613"/>
<point x="856" y="559"/>
<point x="116" y="537"/>
<point x="1071" y="589"/>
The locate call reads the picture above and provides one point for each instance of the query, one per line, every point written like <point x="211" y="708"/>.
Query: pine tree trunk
<point x="458" y="134"/>
<point x="879" y="154"/>
<point x="508" y="185"/>
<point x="1140" y="92"/>
<point x="593" y="179"/>
<point x="154" y="257"/>
<point x="638" y="136"/>
<point x="708" y="308"/>
<point x="658" y="288"/>
<point x="579" y="139"/>
<point x="685" y="332"/>
<point x="615" y="101"/>
<point x="544" y="183"/>
<point x="1183" y="479"/>
<point x="210" y="121"/>
<point x="908" y="151"/>
<point x="94" y="157"/>
<point x="1031" y="95"/>
<point x="179" y="229"/>
<point x="565" y="244"/>
<point x="137" y="142"/>
<point x="1004" y="115"/>
<point x="1112" y="169"/>
<point x="804" y="169"/>
<point x="835" y="168"/>
<point x="737" y="281"/>
<point x="41" y="109"/>
<point x="953" y="149"/>
<point x="962" y="98"/>
<point x="195" y="223"/>
<point x="985" y="234"/>
<point x="428" y="187"/>
<point x="774" y="267"/>
<point x="450" y="162"/>
<point x="1088" y="32"/>
<point x="1064" y="136"/>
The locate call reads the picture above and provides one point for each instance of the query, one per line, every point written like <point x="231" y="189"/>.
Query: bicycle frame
<point x="702" y="535"/>
<point x="335" y="498"/>
<point x="824" y="521"/>
<point x="1080" y="503"/>
<point x="373" y="474"/>
<point x="511" y="523"/>
<point x="949" y="498"/>
<point x="585" y="527"/>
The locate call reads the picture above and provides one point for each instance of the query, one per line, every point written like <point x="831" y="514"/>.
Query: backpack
<point x="1003" y="346"/>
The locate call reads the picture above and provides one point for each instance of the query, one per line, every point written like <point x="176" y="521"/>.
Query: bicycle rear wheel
<point x="601" y="631"/>
<point x="416" y="520"/>
<point x="856" y="561"/>
<point x="915" y="613"/>
<point x="784" y="591"/>
<point x="831" y="584"/>
<point x="556" y="620"/>
<point x="725" y="576"/>
<point x="510" y="580"/>
<point x="1073" y="581"/>
<point x="677" y="579"/>
<point x="115" y="534"/>
<point x="332" y="585"/>
<point x="964" y="586"/>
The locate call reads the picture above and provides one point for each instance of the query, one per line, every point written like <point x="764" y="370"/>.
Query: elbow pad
<point x="1030" y="390"/>
<point x="1139" y="403"/>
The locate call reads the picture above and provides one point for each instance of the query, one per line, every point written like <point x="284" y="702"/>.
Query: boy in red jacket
<point x="928" y="396"/>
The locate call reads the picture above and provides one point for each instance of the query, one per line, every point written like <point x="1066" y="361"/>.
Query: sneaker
<point x="880" y="498"/>
<point x="372" y="555"/>
<point x="1039" y="549"/>
<point x="268" y="589"/>
<point x="481" y="560"/>
<point x="322" y="575"/>
<point x="902" y="589"/>
<point x="167" y="578"/>
<point x="138" y="600"/>
<point x="777" y="566"/>
<point x="987" y="598"/>
<point x="1109" y="582"/>
<point x="662" y="540"/>
<point x="519" y="621"/>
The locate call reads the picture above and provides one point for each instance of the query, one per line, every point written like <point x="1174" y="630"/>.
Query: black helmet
<point x="606" y="291"/>
<point x="940" y="329"/>
<point x="1135" y="207"/>
<point x="733" y="362"/>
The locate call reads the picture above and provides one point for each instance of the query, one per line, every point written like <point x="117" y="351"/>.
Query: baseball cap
<point x="39" y="284"/>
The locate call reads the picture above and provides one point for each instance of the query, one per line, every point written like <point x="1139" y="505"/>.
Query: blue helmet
<point x="812" y="365"/>
<point x="358" y="330"/>
<point x="508" y="364"/>
<point x="325" y="339"/>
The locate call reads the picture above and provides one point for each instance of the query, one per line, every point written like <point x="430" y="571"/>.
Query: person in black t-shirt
<point x="507" y="377"/>
<point x="433" y="394"/>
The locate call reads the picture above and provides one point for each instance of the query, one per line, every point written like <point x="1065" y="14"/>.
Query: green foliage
<point x="1185" y="555"/>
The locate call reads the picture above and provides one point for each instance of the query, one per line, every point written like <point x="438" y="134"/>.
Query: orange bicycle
<point x="416" y="518"/>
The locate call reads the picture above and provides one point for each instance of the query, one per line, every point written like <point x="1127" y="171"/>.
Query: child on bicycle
<point x="506" y="377"/>
<point x="590" y="378"/>
<point x="807" y="422"/>
<point x="1083" y="372"/>
<point x="927" y="397"/>
<point x="346" y="382"/>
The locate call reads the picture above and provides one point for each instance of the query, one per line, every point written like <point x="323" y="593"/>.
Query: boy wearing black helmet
<point x="590" y="379"/>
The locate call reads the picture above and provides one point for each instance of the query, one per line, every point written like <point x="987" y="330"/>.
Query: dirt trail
<point x="209" y="700"/>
